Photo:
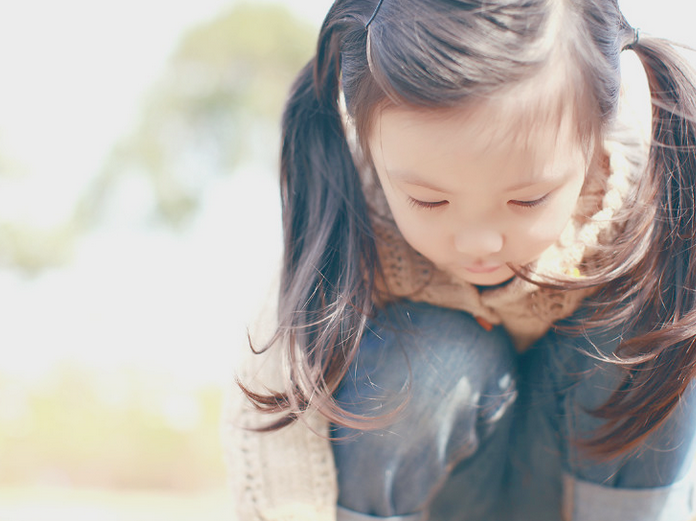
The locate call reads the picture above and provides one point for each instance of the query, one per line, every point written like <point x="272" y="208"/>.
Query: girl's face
<point x="470" y="193"/>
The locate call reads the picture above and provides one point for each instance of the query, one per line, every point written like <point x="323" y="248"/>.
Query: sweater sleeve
<point x="285" y="475"/>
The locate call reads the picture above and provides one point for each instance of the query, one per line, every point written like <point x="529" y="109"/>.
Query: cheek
<point x="549" y="225"/>
<point x="414" y="229"/>
<point x="544" y="232"/>
<point x="416" y="226"/>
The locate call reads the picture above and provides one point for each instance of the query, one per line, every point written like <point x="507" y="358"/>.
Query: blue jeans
<point x="483" y="433"/>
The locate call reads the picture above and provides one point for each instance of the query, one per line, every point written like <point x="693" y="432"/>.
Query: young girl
<point x="487" y="305"/>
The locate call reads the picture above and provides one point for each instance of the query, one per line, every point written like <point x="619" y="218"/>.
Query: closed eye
<point x="529" y="204"/>
<point x="427" y="205"/>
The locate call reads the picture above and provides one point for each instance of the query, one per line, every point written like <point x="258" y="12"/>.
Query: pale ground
<point x="59" y="504"/>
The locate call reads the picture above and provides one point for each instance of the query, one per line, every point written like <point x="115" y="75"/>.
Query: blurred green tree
<point x="218" y="104"/>
<point x="25" y="244"/>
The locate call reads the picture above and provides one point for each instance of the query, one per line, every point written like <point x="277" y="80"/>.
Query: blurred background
<point x="139" y="222"/>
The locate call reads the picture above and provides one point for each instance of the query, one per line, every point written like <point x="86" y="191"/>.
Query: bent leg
<point x="563" y="384"/>
<point x="459" y="384"/>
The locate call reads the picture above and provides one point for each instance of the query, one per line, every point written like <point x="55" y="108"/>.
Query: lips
<point x="482" y="268"/>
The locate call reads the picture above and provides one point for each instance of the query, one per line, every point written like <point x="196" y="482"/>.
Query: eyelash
<point x="425" y="205"/>
<point x="431" y="206"/>
<point x="530" y="204"/>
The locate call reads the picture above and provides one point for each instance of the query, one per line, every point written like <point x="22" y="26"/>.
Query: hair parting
<point x="379" y="4"/>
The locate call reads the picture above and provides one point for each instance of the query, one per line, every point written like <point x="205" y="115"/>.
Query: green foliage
<point x="34" y="248"/>
<point x="217" y="104"/>
<point x="251" y="55"/>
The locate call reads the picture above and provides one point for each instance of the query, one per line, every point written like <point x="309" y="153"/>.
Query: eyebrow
<point x="413" y="179"/>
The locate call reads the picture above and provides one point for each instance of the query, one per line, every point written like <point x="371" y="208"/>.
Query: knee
<point x="448" y="371"/>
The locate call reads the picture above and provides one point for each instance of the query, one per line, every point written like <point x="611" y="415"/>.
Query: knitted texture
<point x="285" y="475"/>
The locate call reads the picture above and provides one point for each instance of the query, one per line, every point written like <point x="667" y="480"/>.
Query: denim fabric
<point x="481" y="433"/>
<point x="343" y="514"/>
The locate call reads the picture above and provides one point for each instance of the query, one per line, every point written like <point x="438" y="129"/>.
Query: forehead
<point x="506" y="134"/>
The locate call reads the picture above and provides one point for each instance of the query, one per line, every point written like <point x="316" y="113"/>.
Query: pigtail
<point x="660" y="356"/>
<point x="329" y="250"/>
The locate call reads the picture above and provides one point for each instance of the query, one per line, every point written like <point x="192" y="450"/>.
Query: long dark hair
<point x="442" y="53"/>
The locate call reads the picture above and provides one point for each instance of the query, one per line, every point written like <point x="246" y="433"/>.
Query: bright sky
<point x="73" y="74"/>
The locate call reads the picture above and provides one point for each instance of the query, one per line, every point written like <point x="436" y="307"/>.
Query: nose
<point x="478" y="243"/>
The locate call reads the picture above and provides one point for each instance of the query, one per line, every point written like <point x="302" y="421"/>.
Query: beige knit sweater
<point x="289" y="475"/>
